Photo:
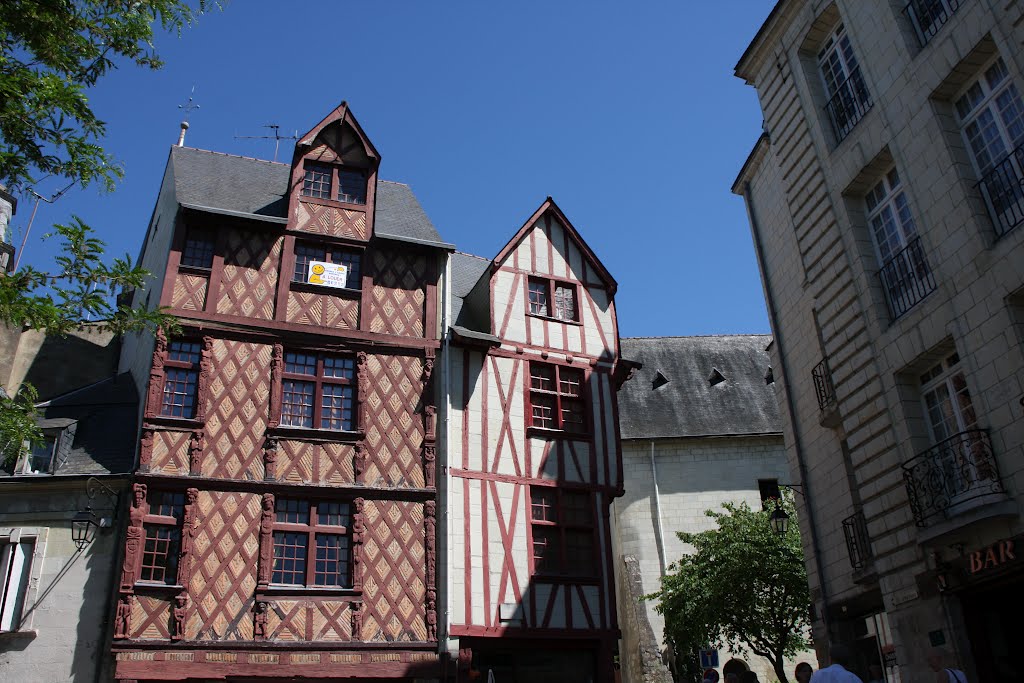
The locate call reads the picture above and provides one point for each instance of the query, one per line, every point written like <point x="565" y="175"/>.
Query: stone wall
<point x="639" y="655"/>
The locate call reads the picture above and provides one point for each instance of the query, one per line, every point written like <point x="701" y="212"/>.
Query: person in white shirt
<point x="836" y="673"/>
<point x="937" y="660"/>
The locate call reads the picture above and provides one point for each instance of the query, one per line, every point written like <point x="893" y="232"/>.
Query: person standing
<point x="937" y="660"/>
<point x="803" y="673"/>
<point x="875" y="670"/>
<point x="837" y="672"/>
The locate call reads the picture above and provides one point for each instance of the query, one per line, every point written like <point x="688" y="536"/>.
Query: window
<point x="39" y="459"/>
<point x="905" y="274"/>
<point x="769" y="490"/>
<point x="181" y="374"/>
<point x="848" y="95"/>
<point x="556" y="398"/>
<point x="15" y="572"/>
<point x="323" y="526"/>
<point x="319" y="180"/>
<point x="928" y="16"/>
<point x="318" y="392"/>
<point x="991" y="117"/>
<point x="163" y="537"/>
<point x="947" y="401"/>
<point x="198" y="251"/>
<point x="553" y="299"/>
<point x="350" y="258"/>
<point x="562" y="522"/>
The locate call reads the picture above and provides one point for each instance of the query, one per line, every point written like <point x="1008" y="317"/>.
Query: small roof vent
<point x="660" y="380"/>
<point x="769" y="376"/>
<point x="715" y="377"/>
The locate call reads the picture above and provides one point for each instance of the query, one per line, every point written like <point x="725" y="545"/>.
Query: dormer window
<point x="351" y="186"/>
<point x="39" y="460"/>
<point x="552" y="299"/>
<point x="320" y="180"/>
<point x="317" y="182"/>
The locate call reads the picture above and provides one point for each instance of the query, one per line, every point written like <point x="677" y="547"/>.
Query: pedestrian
<point x="876" y="673"/>
<point x="732" y="678"/>
<point x="710" y="676"/>
<point x="937" y="660"/>
<point x="749" y="677"/>
<point x="803" y="672"/>
<point x="837" y="672"/>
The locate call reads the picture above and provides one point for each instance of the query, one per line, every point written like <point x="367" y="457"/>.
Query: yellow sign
<point x="327" y="274"/>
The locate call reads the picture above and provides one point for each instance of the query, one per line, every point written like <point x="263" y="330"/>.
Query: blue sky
<point x="626" y="113"/>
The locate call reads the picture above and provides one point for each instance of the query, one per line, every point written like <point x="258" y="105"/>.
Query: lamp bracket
<point x="796" y="488"/>
<point x="95" y="487"/>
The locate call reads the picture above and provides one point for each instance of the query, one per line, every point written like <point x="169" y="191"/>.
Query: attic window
<point x="769" y="376"/>
<point x="715" y="377"/>
<point x="317" y="181"/>
<point x="351" y="186"/>
<point x="660" y="380"/>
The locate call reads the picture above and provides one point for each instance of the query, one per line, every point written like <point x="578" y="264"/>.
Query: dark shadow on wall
<point x="95" y="358"/>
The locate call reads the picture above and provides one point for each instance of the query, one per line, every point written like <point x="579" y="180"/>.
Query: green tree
<point x="744" y="587"/>
<point x="51" y="53"/>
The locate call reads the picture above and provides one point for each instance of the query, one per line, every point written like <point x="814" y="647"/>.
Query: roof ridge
<point x="234" y="156"/>
<point x="465" y="253"/>
<point x="393" y="182"/>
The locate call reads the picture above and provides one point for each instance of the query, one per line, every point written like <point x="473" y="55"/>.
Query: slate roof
<point x="467" y="270"/>
<point x="223" y="183"/>
<point x="104" y="415"/>
<point x="688" y="404"/>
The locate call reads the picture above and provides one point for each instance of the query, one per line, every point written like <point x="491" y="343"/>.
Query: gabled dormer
<point x="334" y="179"/>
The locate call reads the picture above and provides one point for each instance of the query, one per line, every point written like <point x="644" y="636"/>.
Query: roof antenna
<point x="188" y="107"/>
<point x="276" y="137"/>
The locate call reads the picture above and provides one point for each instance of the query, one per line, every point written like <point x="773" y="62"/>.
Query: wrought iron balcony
<point x="906" y="278"/>
<point x="1003" y="189"/>
<point x="823" y="385"/>
<point x="947" y="475"/>
<point x="928" y="16"/>
<point x="858" y="544"/>
<point x="848" y="105"/>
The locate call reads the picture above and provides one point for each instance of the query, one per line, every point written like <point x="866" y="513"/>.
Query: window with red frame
<point x="556" y="398"/>
<point x="312" y="546"/>
<point x="198" y="251"/>
<point x="562" y="522"/>
<point x="162" y="546"/>
<point x="305" y="253"/>
<point x="181" y="376"/>
<point x="318" y="392"/>
<point x="553" y="299"/>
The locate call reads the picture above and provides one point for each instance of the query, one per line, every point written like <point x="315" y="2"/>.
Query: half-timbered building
<point x="534" y="462"/>
<point x="281" y="523"/>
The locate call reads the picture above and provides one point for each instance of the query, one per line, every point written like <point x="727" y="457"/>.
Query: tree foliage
<point x="17" y="423"/>
<point x="51" y="52"/>
<point x="744" y="587"/>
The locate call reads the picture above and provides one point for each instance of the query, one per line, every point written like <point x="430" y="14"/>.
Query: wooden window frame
<point x="551" y="286"/>
<point x="18" y="570"/>
<point x="335" y="186"/>
<point x="332" y="254"/>
<point x="558" y="422"/>
<point x="319" y="380"/>
<point x="192" y="368"/>
<point x="155" y="522"/>
<point x="311" y="530"/>
<point x="198" y="234"/>
<point x="561" y="527"/>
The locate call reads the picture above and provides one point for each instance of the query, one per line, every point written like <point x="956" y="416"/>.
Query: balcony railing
<point x="848" y="105"/>
<point x="949" y="474"/>
<point x="1003" y="188"/>
<point x="906" y="278"/>
<point x="823" y="385"/>
<point x="858" y="544"/>
<point x="928" y="16"/>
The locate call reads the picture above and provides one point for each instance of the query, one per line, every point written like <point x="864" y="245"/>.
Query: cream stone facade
<point x="886" y="207"/>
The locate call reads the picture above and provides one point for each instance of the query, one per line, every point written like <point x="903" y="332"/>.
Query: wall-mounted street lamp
<point x="779" y="520"/>
<point x="86" y="522"/>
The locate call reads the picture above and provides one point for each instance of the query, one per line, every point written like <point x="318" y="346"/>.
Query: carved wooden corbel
<point x="146" y="450"/>
<point x="180" y="603"/>
<point x="359" y="462"/>
<point x="266" y="541"/>
<point x="133" y="544"/>
<point x="429" y="465"/>
<point x="276" y="368"/>
<point x="358" y="536"/>
<point x="188" y="532"/>
<point x="260" y="609"/>
<point x="205" y="373"/>
<point x="154" y="396"/>
<point x="270" y="446"/>
<point x="123" y="618"/>
<point x="362" y="389"/>
<point x="430" y="540"/>
<point x="356" y="608"/>
<point x="196" y="443"/>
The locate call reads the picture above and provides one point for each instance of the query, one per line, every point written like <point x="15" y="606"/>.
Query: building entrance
<point x="994" y="617"/>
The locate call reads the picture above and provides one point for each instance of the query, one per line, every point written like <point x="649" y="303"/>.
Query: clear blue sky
<point x="628" y="114"/>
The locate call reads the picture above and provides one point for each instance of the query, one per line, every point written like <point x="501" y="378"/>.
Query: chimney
<point x="181" y="138"/>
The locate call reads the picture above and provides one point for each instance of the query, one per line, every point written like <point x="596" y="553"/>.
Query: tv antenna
<point x="188" y="107"/>
<point x="276" y="137"/>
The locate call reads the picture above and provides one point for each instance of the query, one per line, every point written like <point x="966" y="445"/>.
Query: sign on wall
<point x="327" y="274"/>
<point x="708" y="658"/>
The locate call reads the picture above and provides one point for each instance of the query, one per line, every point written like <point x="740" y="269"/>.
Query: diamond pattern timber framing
<point x="329" y="220"/>
<point x="309" y="620"/>
<point x="151" y="617"/>
<point x="170" y="452"/>
<point x="315" y="463"/>
<point x="249" y="281"/>
<point x="394" y="430"/>
<point x="239" y="402"/>
<point x="309" y="308"/>
<point x="397" y="302"/>
<point x="190" y="292"/>
<point x="393" y="572"/>
<point x="224" y="556"/>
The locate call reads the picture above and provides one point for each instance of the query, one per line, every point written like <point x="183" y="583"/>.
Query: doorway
<point x="992" y="616"/>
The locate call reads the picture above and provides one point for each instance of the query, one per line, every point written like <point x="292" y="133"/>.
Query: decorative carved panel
<point x="394" y="432"/>
<point x="398" y="296"/>
<point x="315" y="463"/>
<point x="310" y="308"/>
<point x="248" y="284"/>
<point x="393" y="572"/>
<point x="331" y="220"/>
<point x="190" y="292"/>
<point x="154" y="393"/>
<point x="239" y="401"/>
<point x="299" y="619"/>
<point x="224" y="558"/>
<point x="170" y="452"/>
<point x="151" y="617"/>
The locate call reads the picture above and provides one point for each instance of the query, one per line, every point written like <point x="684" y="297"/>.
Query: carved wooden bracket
<point x="356" y="608"/>
<point x="154" y="396"/>
<point x="266" y="541"/>
<point x="430" y="422"/>
<point x="362" y="388"/>
<point x="260" y="609"/>
<point x="359" y="462"/>
<point x="270" y="446"/>
<point x="205" y="373"/>
<point x="133" y="544"/>
<point x="430" y="541"/>
<point x="180" y="603"/>
<point x="358" y="536"/>
<point x="188" y="533"/>
<point x="276" y="368"/>
<point x="146" y="450"/>
<point x="196" y="443"/>
<point x="123" y="619"/>
<point x="431" y="615"/>
<point x="429" y="465"/>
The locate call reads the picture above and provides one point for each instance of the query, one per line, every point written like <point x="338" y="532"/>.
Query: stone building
<point x="700" y="426"/>
<point x="885" y="203"/>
